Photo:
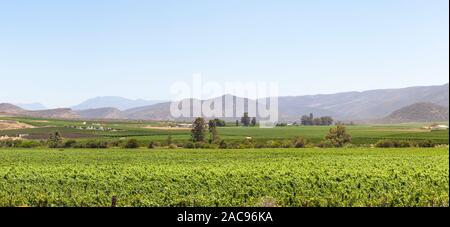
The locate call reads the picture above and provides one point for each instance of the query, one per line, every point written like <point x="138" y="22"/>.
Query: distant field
<point x="264" y="177"/>
<point x="141" y="130"/>
<point x="360" y="134"/>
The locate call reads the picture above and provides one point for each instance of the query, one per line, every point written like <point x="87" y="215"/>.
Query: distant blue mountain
<point x="113" y="102"/>
<point x="31" y="106"/>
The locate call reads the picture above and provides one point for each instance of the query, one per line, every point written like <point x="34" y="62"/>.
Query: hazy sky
<point x="62" y="52"/>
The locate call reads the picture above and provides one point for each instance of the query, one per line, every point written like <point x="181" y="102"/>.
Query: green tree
<point x="245" y="120"/>
<point x="338" y="136"/>
<point x="253" y="122"/>
<point x="308" y="120"/>
<point x="169" y="140"/>
<point x="305" y="120"/>
<point x="198" y="130"/>
<point x="237" y="123"/>
<point x="219" y="123"/>
<point x="213" y="134"/>
<point x="317" y="121"/>
<point x="55" y="140"/>
<point x="327" y="120"/>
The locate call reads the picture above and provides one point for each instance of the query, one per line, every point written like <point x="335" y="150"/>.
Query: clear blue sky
<point x="62" y="52"/>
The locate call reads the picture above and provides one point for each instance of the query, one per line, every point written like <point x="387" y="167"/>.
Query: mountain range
<point x="347" y="106"/>
<point x="64" y="113"/>
<point x="113" y="102"/>
<point x="31" y="106"/>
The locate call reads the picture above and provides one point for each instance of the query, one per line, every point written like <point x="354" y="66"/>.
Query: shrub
<point x="189" y="145"/>
<point x="96" y="144"/>
<point x="198" y="145"/>
<point x="260" y="145"/>
<point x="338" y="136"/>
<point x="394" y="144"/>
<point x="151" y="145"/>
<point x="286" y="144"/>
<point x="173" y="146"/>
<point x="403" y="143"/>
<point x="30" y="144"/>
<point x="273" y="144"/>
<point x="299" y="142"/>
<point x="223" y="145"/>
<point x="205" y="146"/>
<point x="413" y="144"/>
<point x="326" y="144"/>
<point x="55" y="140"/>
<point x="69" y="144"/>
<point x="116" y="143"/>
<point x="425" y="143"/>
<point x="384" y="143"/>
<point x="21" y="143"/>
<point x="131" y="144"/>
<point x="9" y="143"/>
<point x="246" y="144"/>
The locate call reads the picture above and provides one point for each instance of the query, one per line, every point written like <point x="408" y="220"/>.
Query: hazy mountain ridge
<point x="101" y="113"/>
<point x="113" y="102"/>
<point x="31" y="106"/>
<point x="373" y="104"/>
<point x="63" y="113"/>
<point x="368" y="104"/>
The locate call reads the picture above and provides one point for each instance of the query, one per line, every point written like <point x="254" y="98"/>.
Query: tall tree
<point x="254" y="121"/>
<point x="317" y="121"/>
<point x="198" y="130"/>
<point x="305" y="120"/>
<point x="245" y="120"/>
<point x="213" y="134"/>
<point x="220" y="123"/>
<point x="327" y="120"/>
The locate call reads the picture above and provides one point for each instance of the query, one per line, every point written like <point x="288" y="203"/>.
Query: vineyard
<point x="253" y="177"/>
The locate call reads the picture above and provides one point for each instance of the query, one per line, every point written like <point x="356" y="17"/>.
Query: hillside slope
<point x="419" y="112"/>
<point x="101" y="113"/>
<point x="63" y="113"/>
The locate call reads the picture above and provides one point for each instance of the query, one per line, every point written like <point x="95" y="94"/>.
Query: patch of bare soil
<point x="7" y="125"/>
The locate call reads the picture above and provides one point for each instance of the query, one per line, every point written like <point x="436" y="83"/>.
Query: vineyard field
<point x="209" y="178"/>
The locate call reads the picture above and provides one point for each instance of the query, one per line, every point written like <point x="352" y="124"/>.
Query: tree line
<point x="311" y="120"/>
